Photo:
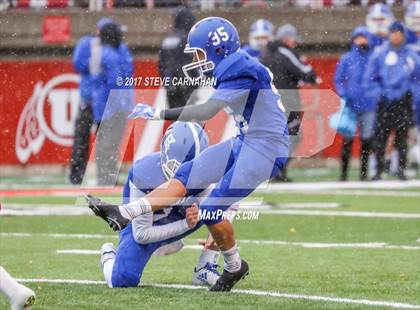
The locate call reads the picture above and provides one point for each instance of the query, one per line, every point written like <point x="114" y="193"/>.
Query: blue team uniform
<point x="145" y="175"/>
<point x="81" y="56"/>
<point x="257" y="153"/>
<point x="348" y="80"/>
<point x="376" y="41"/>
<point x="251" y="51"/>
<point x="413" y="42"/>
<point x="108" y="94"/>
<point x="391" y="72"/>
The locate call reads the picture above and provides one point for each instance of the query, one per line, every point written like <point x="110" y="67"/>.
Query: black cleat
<point x="228" y="279"/>
<point x="108" y="212"/>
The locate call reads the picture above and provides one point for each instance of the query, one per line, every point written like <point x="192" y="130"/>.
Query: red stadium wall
<point x="38" y="101"/>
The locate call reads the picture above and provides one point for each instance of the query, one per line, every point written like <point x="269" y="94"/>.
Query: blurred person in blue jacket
<point x="391" y="78"/>
<point x="412" y="21"/>
<point x="348" y="81"/>
<point x="378" y="20"/>
<point x="112" y="98"/>
<point x="87" y="46"/>
<point x="260" y="33"/>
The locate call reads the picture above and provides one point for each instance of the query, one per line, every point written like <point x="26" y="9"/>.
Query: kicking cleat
<point x="228" y="279"/>
<point x="206" y="275"/>
<point x="108" y="212"/>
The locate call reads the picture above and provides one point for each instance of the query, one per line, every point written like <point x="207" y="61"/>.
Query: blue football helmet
<point x="412" y="16"/>
<point x="260" y="33"/>
<point x="379" y="18"/>
<point x="182" y="142"/>
<point x="209" y="41"/>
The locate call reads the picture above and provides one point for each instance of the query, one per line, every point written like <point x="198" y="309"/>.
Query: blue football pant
<point x="236" y="166"/>
<point x="132" y="257"/>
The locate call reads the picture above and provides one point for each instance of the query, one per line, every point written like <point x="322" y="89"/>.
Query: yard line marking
<point x="60" y="191"/>
<point x="365" y="302"/>
<point x="67" y="236"/>
<point x="368" y="245"/>
<point x="74" y="210"/>
<point x="45" y="211"/>
<point x="263" y="209"/>
<point x="271" y="187"/>
<point x="393" y="215"/>
<point x="97" y="252"/>
<point x="81" y="252"/>
<point x="306" y="245"/>
<point x="318" y="245"/>
<point x="345" y="192"/>
<point x="260" y="205"/>
<point x="321" y="186"/>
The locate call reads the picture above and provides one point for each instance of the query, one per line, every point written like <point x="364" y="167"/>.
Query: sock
<point x="107" y="261"/>
<point x="8" y="285"/>
<point x="135" y="208"/>
<point x="208" y="256"/>
<point x="232" y="259"/>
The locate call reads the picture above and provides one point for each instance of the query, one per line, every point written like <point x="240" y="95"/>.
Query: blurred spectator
<point x="348" y="78"/>
<point x="412" y="20"/>
<point x="260" y="33"/>
<point x="378" y="20"/>
<point x="172" y="57"/>
<point x="391" y="76"/>
<point x="112" y="99"/>
<point x="81" y="58"/>
<point x="289" y="71"/>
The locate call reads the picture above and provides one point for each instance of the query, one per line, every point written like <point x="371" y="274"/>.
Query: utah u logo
<point x="49" y="113"/>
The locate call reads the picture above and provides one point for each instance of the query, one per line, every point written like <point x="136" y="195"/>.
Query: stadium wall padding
<point x="39" y="100"/>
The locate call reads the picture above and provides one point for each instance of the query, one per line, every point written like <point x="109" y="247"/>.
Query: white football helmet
<point x="379" y="18"/>
<point x="412" y="16"/>
<point x="260" y="33"/>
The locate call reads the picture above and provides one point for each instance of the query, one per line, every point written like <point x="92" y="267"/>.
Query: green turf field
<point x="300" y="265"/>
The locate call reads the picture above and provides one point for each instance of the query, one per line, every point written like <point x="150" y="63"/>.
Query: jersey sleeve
<point x="144" y="232"/>
<point x="233" y="91"/>
<point x="81" y="56"/>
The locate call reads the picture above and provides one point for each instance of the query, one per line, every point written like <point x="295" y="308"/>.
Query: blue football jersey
<point x="144" y="176"/>
<point x="245" y="85"/>
<point x="251" y="51"/>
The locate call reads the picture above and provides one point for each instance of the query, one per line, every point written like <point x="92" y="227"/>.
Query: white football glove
<point x="142" y="110"/>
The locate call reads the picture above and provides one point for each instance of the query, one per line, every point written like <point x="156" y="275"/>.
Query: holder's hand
<point x="142" y="110"/>
<point x="191" y="216"/>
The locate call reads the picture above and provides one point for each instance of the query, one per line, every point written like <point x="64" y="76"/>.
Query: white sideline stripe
<point x="66" y="236"/>
<point x="81" y="252"/>
<point x="344" y="213"/>
<point x="264" y="209"/>
<point x="347" y="192"/>
<point x="306" y="245"/>
<point x="365" y="302"/>
<point x="369" y="245"/>
<point x="45" y="211"/>
<point x="318" y="245"/>
<point x="72" y="210"/>
<point x="260" y="205"/>
<point x="319" y="186"/>
<point x="97" y="252"/>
